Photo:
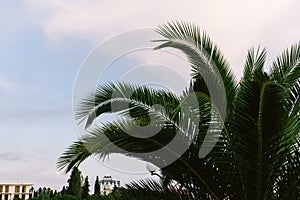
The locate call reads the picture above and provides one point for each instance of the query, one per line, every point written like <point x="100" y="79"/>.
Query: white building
<point x="107" y="184"/>
<point x="8" y="191"/>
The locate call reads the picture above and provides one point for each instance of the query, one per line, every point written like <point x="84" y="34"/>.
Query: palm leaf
<point x="73" y="156"/>
<point x="259" y="136"/>
<point x="286" y="71"/>
<point x="205" y="58"/>
<point x="255" y="62"/>
<point x="126" y="99"/>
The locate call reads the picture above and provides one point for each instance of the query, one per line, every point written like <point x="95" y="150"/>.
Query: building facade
<point x="107" y="185"/>
<point x="9" y="191"/>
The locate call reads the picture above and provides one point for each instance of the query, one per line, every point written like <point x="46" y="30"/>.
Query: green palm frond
<point x="286" y="71"/>
<point x="120" y="137"/>
<point x="73" y="156"/>
<point x="260" y="137"/>
<point x="204" y="56"/>
<point x="255" y="62"/>
<point x="287" y="185"/>
<point x="126" y="99"/>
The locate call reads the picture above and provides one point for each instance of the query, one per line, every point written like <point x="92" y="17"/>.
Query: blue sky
<point x="43" y="44"/>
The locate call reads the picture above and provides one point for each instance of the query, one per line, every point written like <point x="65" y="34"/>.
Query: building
<point x="8" y="191"/>
<point x="107" y="185"/>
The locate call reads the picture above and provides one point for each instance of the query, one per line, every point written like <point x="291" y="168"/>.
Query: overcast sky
<point x="44" y="42"/>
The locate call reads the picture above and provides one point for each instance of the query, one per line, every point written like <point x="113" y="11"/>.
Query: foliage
<point x="256" y="155"/>
<point x="75" y="183"/>
<point x="48" y="193"/>
<point x="85" y="188"/>
<point x="97" y="186"/>
<point x="63" y="190"/>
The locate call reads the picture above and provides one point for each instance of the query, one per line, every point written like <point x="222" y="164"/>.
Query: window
<point x="17" y="189"/>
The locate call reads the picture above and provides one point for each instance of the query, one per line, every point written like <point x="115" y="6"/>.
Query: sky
<point x="44" y="43"/>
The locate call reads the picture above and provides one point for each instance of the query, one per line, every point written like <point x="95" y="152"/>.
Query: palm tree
<point x="256" y="152"/>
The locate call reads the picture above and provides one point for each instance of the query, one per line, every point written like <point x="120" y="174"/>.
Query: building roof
<point x="17" y="184"/>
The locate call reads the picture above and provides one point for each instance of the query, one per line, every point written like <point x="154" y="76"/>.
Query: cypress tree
<point x="75" y="183"/>
<point x="97" y="186"/>
<point x="85" y="188"/>
<point x="63" y="191"/>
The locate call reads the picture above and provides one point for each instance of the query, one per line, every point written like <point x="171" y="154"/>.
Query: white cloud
<point x="10" y="87"/>
<point x="234" y="25"/>
<point x="92" y="19"/>
<point x="10" y="157"/>
<point x="7" y="85"/>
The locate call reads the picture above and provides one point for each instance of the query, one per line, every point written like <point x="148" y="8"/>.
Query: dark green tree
<point x="51" y="194"/>
<point x="40" y="190"/>
<point x="35" y="194"/>
<point x="71" y="197"/>
<point x="63" y="190"/>
<point x="43" y="196"/>
<point x="97" y="186"/>
<point x="257" y="149"/>
<point x="75" y="183"/>
<point x="85" y="188"/>
<point x="58" y="196"/>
